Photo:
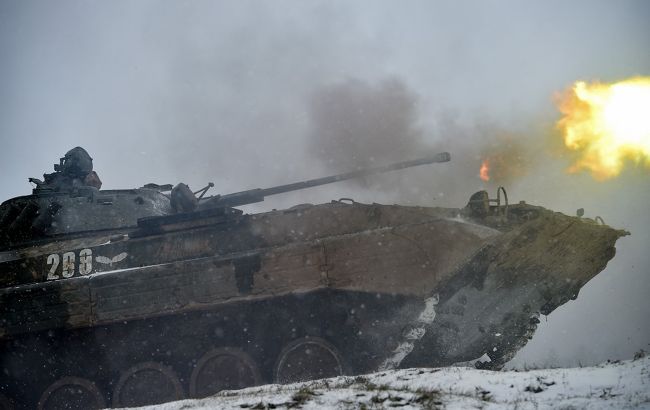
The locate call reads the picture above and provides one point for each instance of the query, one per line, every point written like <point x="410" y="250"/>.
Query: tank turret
<point x="69" y="201"/>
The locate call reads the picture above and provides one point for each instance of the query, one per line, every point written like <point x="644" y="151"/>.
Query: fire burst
<point x="484" y="173"/>
<point x="607" y="124"/>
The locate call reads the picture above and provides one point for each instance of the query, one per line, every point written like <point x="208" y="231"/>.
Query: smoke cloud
<point x="356" y="124"/>
<point x="252" y="94"/>
<point x="359" y="125"/>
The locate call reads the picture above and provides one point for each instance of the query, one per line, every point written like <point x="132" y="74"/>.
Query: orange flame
<point x="607" y="124"/>
<point x="484" y="173"/>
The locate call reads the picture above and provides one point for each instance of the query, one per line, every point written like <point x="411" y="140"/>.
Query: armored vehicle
<point x="131" y="297"/>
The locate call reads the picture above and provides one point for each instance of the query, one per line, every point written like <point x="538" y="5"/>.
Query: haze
<point x="251" y="94"/>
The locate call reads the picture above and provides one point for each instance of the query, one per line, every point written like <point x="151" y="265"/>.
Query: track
<point x="287" y="339"/>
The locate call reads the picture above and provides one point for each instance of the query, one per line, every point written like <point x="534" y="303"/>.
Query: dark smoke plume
<point x="356" y="124"/>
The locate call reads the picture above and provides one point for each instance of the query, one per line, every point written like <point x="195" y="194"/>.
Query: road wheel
<point x="223" y="369"/>
<point x="72" y="393"/>
<point x="147" y="383"/>
<point x="308" y="358"/>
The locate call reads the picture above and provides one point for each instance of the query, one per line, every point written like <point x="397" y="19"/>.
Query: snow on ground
<point x="617" y="385"/>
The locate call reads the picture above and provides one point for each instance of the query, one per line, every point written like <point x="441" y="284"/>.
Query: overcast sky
<point x="250" y="94"/>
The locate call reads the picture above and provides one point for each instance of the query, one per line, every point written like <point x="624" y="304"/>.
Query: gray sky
<point x="198" y="91"/>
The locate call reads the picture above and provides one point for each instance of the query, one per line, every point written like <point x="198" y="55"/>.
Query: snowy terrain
<point x="613" y="385"/>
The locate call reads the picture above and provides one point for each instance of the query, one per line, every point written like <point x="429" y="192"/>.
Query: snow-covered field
<point x="618" y="385"/>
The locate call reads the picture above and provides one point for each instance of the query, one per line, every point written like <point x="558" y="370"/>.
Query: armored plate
<point x="194" y="303"/>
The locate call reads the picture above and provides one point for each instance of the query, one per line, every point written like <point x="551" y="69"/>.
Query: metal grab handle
<point x="505" y="198"/>
<point x="498" y="201"/>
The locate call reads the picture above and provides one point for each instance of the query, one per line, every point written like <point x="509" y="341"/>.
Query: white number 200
<point x="68" y="265"/>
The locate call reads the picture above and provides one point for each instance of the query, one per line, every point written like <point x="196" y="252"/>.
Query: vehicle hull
<point x="358" y="287"/>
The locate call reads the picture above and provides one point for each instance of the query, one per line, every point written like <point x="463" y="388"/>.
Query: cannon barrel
<point x="257" y="195"/>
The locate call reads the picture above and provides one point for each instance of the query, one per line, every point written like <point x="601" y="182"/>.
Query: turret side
<point x="49" y="215"/>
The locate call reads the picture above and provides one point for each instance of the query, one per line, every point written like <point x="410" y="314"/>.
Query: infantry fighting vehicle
<point x="131" y="297"/>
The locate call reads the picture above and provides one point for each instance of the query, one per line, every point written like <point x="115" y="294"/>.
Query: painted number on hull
<point x="68" y="264"/>
<point x="53" y="261"/>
